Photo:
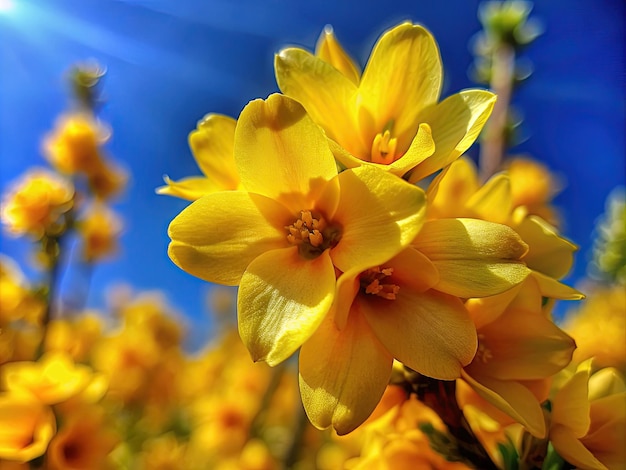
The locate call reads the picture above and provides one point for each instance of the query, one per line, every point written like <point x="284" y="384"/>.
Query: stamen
<point x="311" y="234"/>
<point x="384" y="147"/>
<point x="371" y="283"/>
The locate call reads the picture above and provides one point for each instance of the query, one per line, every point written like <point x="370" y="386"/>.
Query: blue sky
<point x="171" y="62"/>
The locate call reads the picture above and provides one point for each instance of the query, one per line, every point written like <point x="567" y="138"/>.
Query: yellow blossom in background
<point x="588" y="419"/>
<point x="390" y="116"/>
<point x="26" y="427"/>
<point x="99" y="229"/>
<point x="533" y="187"/>
<point x="74" y="144"/>
<point x="17" y="299"/>
<point x="35" y="204"/>
<point x="599" y="326"/>
<point x="107" y="179"/>
<point x="75" y="336"/>
<point x="83" y="442"/>
<point x="54" y="378"/>
<point x="212" y="146"/>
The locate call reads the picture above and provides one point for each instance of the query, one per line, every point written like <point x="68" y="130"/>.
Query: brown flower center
<point x="312" y="234"/>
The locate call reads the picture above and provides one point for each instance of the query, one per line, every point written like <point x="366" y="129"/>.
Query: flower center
<point x="384" y="146"/>
<point x="483" y="353"/>
<point x="311" y="234"/>
<point x="372" y="283"/>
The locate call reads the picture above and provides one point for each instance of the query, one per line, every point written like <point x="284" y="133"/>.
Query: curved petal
<point x="455" y="123"/>
<point x="280" y="153"/>
<point x="347" y="289"/>
<point x="329" y="50"/>
<point x="212" y="147"/>
<point x="379" y="213"/>
<point x="328" y="96"/>
<point x="570" y="406"/>
<point x="457" y="182"/>
<point x="282" y="300"/>
<point x="572" y="450"/>
<point x="475" y="258"/>
<point x="554" y="289"/>
<point x="513" y="399"/>
<point x="493" y="200"/>
<point x="343" y="374"/>
<point x="217" y="236"/>
<point x="429" y="332"/>
<point x="549" y="253"/>
<point x="190" y="188"/>
<point x="402" y="76"/>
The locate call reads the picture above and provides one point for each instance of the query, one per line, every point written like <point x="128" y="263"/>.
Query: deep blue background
<point x="170" y="62"/>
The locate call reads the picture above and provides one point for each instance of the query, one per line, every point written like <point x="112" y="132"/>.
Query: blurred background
<point x="169" y="63"/>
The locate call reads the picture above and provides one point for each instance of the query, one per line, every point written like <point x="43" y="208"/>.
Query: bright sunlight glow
<point x="6" y="6"/>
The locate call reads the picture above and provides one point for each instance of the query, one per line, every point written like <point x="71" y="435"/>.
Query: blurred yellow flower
<point x="390" y="116"/>
<point x="26" y="427"/>
<point x="35" y="204"/>
<point x="17" y="299"/>
<point x="212" y="147"/>
<point x="296" y="221"/>
<point x="83" y="442"/>
<point x="588" y="419"/>
<point x="74" y="144"/>
<point x="53" y="379"/>
<point x="75" y="336"/>
<point x="106" y="179"/>
<point x="99" y="230"/>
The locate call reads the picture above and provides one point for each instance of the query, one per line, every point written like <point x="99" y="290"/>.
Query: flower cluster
<point x="358" y="237"/>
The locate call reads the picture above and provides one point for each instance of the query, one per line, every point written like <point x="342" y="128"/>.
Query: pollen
<point x="307" y="229"/>
<point x="372" y="283"/>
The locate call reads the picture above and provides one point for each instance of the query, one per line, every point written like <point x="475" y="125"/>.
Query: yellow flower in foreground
<point x="294" y="223"/>
<point x="588" y="419"/>
<point x="26" y="427"/>
<point x="74" y="144"/>
<point x="519" y="349"/>
<point x="390" y="117"/>
<point x="53" y="379"/>
<point x="380" y="314"/>
<point x="36" y="202"/>
<point x="212" y="147"/>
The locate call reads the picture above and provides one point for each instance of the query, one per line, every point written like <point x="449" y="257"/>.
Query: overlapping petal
<point x="282" y="300"/>
<point x="329" y="50"/>
<point x="280" y="153"/>
<point x="380" y="215"/>
<point x="343" y="374"/>
<point x="474" y="258"/>
<point x="217" y="236"/>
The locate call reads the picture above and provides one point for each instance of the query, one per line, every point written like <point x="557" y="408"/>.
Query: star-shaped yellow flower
<point x="390" y="116"/>
<point x="294" y="223"/>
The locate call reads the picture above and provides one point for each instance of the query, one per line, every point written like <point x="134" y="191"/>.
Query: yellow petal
<point x="605" y="382"/>
<point x="380" y="214"/>
<point x="457" y="182"/>
<point x="328" y="96"/>
<point x="513" y="399"/>
<point x="217" y="236"/>
<point x="347" y="288"/>
<point x="455" y="123"/>
<point x="280" y="153"/>
<point x="282" y="300"/>
<point x="402" y="77"/>
<point x="329" y="50"/>
<point x="190" y="188"/>
<point x="549" y="253"/>
<point x="429" y="332"/>
<point x="572" y="450"/>
<point x="552" y="288"/>
<point x="212" y="147"/>
<point x="474" y="258"/>
<point x="493" y="201"/>
<point x="343" y="374"/>
<point x="570" y="406"/>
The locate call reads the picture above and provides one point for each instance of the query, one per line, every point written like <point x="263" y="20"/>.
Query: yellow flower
<point x="106" y="179"/>
<point x="519" y="349"/>
<point x="390" y="117"/>
<point x="74" y="144"/>
<point x="588" y="419"/>
<point x="380" y="314"/>
<point x="26" y="427"/>
<point x="599" y="327"/>
<point x="212" y="147"/>
<point x="53" y="379"/>
<point x="84" y="441"/>
<point x="99" y="230"/>
<point x="294" y="223"/>
<point x="36" y="203"/>
<point x="76" y="336"/>
<point x="17" y="300"/>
